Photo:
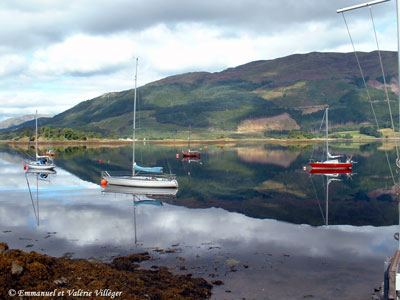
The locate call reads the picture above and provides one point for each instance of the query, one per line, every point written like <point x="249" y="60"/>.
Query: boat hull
<point x="140" y="191"/>
<point x="329" y="165"/>
<point x="39" y="167"/>
<point x="141" y="181"/>
<point x="191" y="154"/>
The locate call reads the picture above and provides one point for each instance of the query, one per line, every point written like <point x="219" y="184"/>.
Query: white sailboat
<point x="140" y="177"/>
<point x="41" y="162"/>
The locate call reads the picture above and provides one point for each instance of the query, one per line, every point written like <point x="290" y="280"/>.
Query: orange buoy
<point x="177" y="155"/>
<point x="103" y="183"/>
<point x="100" y="161"/>
<point x="25" y="167"/>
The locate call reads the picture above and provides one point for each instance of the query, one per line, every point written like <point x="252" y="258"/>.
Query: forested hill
<point x="255" y="99"/>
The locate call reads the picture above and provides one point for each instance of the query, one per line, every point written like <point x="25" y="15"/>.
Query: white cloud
<point x="12" y="64"/>
<point x="83" y="55"/>
<point x="69" y="51"/>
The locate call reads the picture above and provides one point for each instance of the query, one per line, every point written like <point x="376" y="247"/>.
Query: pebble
<point x="61" y="281"/>
<point x="16" y="269"/>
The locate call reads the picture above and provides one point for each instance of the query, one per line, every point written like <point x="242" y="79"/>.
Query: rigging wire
<point x="384" y="79"/>
<point x="316" y="196"/>
<point x="319" y="130"/>
<point x="361" y="71"/>
<point x="33" y="203"/>
<point x="368" y="94"/>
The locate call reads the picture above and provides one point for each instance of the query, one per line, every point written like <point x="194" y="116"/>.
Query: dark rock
<point x="217" y="282"/>
<point x="42" y="272"/>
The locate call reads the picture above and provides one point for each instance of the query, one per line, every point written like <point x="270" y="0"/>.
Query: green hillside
<point x="257" y="99"/>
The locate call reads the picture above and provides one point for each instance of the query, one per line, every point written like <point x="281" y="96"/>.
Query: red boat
<point x="332" y="161"/>
<point x="191" y="154"/>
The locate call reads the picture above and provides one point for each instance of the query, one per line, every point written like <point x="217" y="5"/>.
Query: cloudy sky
<point x="57" y="53"/>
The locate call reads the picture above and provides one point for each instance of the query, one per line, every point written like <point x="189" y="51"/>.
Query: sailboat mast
<point x="398" y="54"/>
<point x="190" y="129"/>
<point x="134" y="122"/>
<point x="36" y="136"/>
<point x="326" y="129"/>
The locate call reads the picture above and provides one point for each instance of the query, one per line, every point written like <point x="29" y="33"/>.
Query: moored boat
<point x="41" y="162"/>
<point x="332" y="161"/>
<point x="141" y="177"/>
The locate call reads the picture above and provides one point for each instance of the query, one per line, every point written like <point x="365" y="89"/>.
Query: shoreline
<point x="122" y="142"/>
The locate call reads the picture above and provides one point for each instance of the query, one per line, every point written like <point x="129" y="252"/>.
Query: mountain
<point x="11" y="122"/>
<point x="259" y="98"/>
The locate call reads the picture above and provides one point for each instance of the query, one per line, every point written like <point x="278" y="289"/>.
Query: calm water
<point x="246" y="214"/>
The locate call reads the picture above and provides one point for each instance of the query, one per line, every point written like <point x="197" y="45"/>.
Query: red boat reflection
<point x="330" y="171"/>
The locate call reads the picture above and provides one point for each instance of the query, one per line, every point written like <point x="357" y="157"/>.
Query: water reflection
<point x="260" y="155"/>
<point x="330" y="176"/>
<point x="268" y="184"/>
<point x="142" y="197"/>
<point x="41" y="176"/>
<point x="222" y="214"/>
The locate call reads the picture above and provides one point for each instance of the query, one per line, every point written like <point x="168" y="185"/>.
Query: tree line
<point x="60" y="134"/>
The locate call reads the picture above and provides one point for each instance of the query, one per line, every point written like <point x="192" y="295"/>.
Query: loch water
<point x="247" y="214"/>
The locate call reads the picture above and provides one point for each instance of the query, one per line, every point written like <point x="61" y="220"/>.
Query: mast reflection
<point x="142" y="196"/>
<point x="330" y="176"/>
<point x="40" y="175"/>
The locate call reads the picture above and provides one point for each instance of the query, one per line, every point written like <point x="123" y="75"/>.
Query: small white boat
<point x="41" y="162"/>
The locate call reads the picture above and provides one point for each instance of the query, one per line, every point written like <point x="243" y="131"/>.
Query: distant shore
<point x="222" y="141"/>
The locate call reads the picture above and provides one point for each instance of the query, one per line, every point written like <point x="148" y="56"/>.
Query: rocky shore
<point x="36" y="276"/>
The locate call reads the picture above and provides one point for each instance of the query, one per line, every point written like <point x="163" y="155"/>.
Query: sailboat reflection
<point x="41" y="175"/>
<point x="331" y="175"/>
<point x="142" y="196"/>
<point x="190" y="161"/>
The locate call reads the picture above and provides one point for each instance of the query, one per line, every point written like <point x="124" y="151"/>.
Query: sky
<point x="57" y="53"/>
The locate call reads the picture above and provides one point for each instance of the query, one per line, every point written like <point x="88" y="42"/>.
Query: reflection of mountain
<point x="262" y="156"/>
<point x="249" y="186"/>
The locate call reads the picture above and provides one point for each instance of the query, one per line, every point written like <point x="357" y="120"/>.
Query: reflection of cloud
<point x="262" y="156"/>
<point x="84" y="218"/>
<point x="11" y="158"/>
<point x="89" y="219"/>
<point x="12" y="177"/>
